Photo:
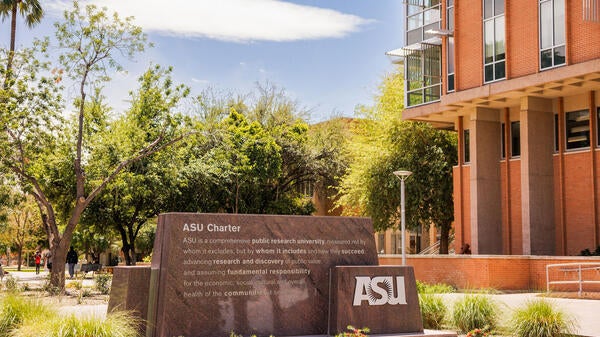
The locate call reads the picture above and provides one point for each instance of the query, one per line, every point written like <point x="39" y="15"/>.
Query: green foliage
<point x="433" y="311"/>
<point x="103" y="282"/>
<point x="16" y="311"/>
<point x="11" y="284"/>
<point x="382" y="144"/>
<point x="354" y="332"/>
<point x="116" y="324"/>
<point x="475" y="311"/>
<point x="439" y="288"/>
<point x="539" y="318"/>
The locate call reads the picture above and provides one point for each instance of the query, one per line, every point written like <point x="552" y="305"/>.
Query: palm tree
<point x="31" y="10"/>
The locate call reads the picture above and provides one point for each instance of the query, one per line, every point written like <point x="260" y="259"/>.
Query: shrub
<point x="439" y="288"/>
<point x="433" y="311"/>
<point x="103" y="283"/>
<point x="116" y="324"/>
<point x="475" y="311"/>
<point x="16" y="311"/>
<point x="354" y="332"/>
<point x="11" y="284"/>
<point x="540" y="319"/>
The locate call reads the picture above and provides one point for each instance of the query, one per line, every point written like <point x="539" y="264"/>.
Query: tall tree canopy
<point x="382" y="144"/>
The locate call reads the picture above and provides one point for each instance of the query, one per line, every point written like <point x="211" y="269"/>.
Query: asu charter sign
<point x="253" y="274"/>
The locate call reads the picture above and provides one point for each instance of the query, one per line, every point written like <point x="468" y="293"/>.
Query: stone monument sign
<point x="253" y="274"/>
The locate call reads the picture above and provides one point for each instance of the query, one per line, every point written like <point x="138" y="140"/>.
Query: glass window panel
<point x="415" y="98"/>
<point x="432" y="93"/>
<point x="489" y="73"/>
<point x="577" y="129"/>
<point x="546" y="25"/>
<point x="467" y="148"/>
<point x="499" y="32"/>
<point x="488" y="9"/>
<point x="432" y="15"/>
<point x="414" y="22"/>
<point x="546" y="58"/>
<point x="502" y="141"/>
<point x="559" y="22"/>
<point x="500" y="70"/>
<point x="450" y="19"/>
<point x="559" y="55"/>
<point x="515" y="139"/>
<point x="451" y="82"/>
<point x="498" y="7"/>
<point x="489" y="41"/>
<point x="414" y="36"/>
<point x="413" y="9"/>
<point x="449" y="3"/>
<point x="556" y="133"/>
<point x="450" y="55"/>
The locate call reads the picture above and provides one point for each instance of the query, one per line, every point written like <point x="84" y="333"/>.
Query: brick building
<point x="519" y="81"/>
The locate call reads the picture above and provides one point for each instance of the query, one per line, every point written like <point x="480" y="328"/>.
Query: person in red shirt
<point x="38" y="260"/>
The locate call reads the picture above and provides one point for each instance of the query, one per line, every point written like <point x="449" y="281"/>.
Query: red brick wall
<point x="462" y="232"/>
<point x="469" y="44"/>
<point x="497" y="272"/>
<point x="579" y="208"/>
<point x="583" y="37"/>
<point x="522" y="39"/>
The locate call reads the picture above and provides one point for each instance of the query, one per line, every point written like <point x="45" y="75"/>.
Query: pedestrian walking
<point x="72" y="261"/>
<point x="38" y="260"/>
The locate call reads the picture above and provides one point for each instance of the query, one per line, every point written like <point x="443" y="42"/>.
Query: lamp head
<point x="402" y="174"/>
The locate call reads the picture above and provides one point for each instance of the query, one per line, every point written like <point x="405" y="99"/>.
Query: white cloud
<point x="235" y="20"/>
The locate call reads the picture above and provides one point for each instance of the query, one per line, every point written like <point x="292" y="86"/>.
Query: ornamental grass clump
<point x="475" y="311"/>
<point x="539" y="318"/>
<point x="438" y="288"/>
<point x="16" y="311"/>
<point x="116" y="324"/>
<point x="433" y="311"/>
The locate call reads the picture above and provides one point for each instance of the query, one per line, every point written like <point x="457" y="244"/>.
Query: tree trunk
<point x="19" y="257"/>
<point x="444" y="238"/>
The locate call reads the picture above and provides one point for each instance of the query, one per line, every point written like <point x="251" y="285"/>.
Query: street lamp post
<point x="402" y="175"/>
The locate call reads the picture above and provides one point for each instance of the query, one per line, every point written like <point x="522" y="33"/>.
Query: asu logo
<point x="379" y="290"/>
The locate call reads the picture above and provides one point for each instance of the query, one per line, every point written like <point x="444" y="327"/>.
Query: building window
<point x="396" y="243"/>
<point x="555" y="133"/>
<point x="577" y="129"/>
<point x="466" y="149"/>
<point x="598" y="128"/>
<point x="423" y="78"/>
<point x="502" y="141"/>
<point x="552" y="33"/>
<point x="515" y="139"/>
<point x="381" y="243"/>
<point x="423" y="64"/>
<point x="450" y="44"/>
<point x="422" y="16"/>
<point x="494" y="40"/>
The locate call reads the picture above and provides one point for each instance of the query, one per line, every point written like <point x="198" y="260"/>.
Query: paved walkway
<point x="585" y="312"/>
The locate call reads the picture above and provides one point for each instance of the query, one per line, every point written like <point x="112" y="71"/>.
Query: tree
<point x="384" y="144"/>
<point x="23" y="229"/>
<point x="33" y="13"/>
<point x="90" y="41"/>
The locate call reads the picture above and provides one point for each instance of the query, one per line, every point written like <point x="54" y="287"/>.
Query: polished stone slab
<point x="129" y="290"/>
<point x="383" y="298"/>
<point x="252" y="274"/>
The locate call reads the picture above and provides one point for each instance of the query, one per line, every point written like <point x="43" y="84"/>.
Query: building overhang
<point x="553" y="83"/>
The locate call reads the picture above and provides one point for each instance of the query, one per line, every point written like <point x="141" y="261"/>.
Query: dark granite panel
<point x="252" y="274"/>
<point x="383" y="298"/>
<point x="129" y="290"/>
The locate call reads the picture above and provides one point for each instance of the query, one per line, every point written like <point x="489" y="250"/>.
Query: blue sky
<point x="329" y="55"/>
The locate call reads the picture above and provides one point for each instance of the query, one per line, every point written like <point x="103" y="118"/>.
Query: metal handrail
<point x="572" y="267"/>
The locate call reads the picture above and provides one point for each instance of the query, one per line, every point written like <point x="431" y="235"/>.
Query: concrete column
<point x="537" y="172"/>
<point x="486" y="204"/>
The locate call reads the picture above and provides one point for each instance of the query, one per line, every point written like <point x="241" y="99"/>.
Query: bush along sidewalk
<point x="539" y="318"/>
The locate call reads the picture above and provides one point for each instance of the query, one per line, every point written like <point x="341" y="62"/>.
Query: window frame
<point x="552" y="32"/>
<point x="573" y="136"/>
<point x="494" y="18"/>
